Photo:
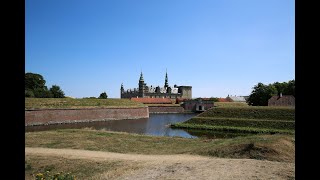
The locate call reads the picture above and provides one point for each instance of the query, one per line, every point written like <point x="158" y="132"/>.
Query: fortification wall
<point x="57" y="116"/>
<point x="129" y="94"/>
<point x="165" y="95"/>
<point x="166" y="109"/>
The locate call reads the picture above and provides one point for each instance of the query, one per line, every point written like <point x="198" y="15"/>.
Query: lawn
<point x="62" y="103"/>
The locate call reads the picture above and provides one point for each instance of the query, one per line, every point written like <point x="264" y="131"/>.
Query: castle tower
<point x="186" y="91"/>
<point x="121" y="90"/>
<point x="141" y="86"/>
<point x="166" y="81"/>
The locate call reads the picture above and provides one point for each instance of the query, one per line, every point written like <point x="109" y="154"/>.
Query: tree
<point x="261" y="94"/>
<point x="56" y="92"/>
<point x="28" y="93"/>
<point x="281" y="87"/>
<point x="42" y="93"/>
<point x="214" y="99"/>
<point x="291" y="88"/>
<point x="35" y="87"/>
<point x="103" y="95"/>
<point x="33" y="81"/>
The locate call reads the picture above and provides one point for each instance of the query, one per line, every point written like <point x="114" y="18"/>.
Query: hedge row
<point x="251" y="112"/>
<point x="254" y="123"/>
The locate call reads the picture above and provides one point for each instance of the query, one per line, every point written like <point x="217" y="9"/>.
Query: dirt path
<point x="180" y="166"/>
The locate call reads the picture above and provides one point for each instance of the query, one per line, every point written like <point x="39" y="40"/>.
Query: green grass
<point x="237" y="122"/>
<point x="142" y="144"/>
<point x="62" y="103"/>
<point x="251" y="112"/>
<point x="243" y="120"/>
<point x="240" y="129"/>
<point x="230" y="104"/>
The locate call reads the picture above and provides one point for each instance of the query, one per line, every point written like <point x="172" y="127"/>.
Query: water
<point x="156" y="125"/>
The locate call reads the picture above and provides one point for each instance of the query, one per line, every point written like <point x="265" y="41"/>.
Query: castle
<point x="157" y="92"/>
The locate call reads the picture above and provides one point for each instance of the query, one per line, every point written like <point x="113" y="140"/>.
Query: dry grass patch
<point x="81" y="168"/>
<point x="281" y="147"/>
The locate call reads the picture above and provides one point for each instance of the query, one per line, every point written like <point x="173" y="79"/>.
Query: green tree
<point x="35" y="87"/>
<point x="28" y="93"/>
<point x="214" y="99"/>
<point x="56" y="92"/>
<point x="103" y="95"/>
<point x="281" y="87"/>
<point x="42" y="93"/>
<point x="33" y="81"/>
<point x="261" y="94"/>
<point x="291" y="88"/>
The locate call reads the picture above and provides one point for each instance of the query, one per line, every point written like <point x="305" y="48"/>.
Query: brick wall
<point x="166" y="109"/>
<point x="54" y="116"/>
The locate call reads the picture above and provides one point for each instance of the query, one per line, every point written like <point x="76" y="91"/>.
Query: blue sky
<point x="218" y="47"/>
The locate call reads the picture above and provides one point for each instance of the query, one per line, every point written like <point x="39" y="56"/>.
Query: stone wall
<point x="191" y="105"/>
<point x="286" y="100"/>
<point x="166" y="109"/>
<point x="56" y="116"/>
<point x="186" y="91"/>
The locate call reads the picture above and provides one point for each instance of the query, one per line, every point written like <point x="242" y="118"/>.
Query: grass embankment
<point x="65" y="103"/>
<point x="251" y="112"/>
<point x="230" y="104"/>
<point x="244" y="119"/>
<point x="268" y="147"/>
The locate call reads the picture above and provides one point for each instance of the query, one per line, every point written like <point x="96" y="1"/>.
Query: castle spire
<point x="141" y="77"/>
<point x="166" y="80"/>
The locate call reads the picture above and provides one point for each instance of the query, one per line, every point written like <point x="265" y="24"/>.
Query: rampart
<point x="59" y="116"/>
<point x="166" y="109"/>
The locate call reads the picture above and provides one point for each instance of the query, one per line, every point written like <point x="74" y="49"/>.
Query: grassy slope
<point x="230" y="104"/>
<point x="251" y="112"/>
<point x="244" y="119"/>
<point x="269" y="147"/>
<point x="237" y="122"/>
<point x="56" y="103"/>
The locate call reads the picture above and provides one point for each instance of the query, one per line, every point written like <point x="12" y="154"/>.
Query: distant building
<point x="181" y="100"/>
<point x="197" y="105"/>
<point x="282" y="100"/>
<point x="223" y="100"/>
<point x="144" y="91"/>
<point x="236" y="98"/>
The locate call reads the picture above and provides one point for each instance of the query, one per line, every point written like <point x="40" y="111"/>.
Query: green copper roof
<point x="166" y="80"/>
<point x="141" y="77"/>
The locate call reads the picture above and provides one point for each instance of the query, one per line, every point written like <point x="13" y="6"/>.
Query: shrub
<point x="103" y="95"/>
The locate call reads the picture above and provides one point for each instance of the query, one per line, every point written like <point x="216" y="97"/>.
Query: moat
<point x="156" y="125"/>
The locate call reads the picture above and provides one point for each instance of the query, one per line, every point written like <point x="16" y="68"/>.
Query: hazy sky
<point x="218" y="47"/>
